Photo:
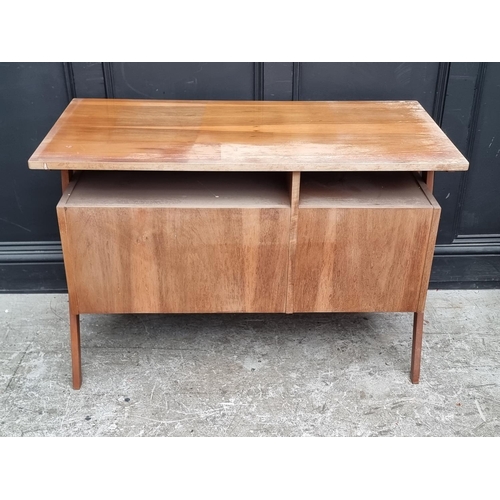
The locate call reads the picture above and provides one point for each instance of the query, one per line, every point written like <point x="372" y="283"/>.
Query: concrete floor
<point x="251" y="375"/>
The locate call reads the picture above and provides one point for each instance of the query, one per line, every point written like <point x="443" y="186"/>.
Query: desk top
<point x="121" y="134"/>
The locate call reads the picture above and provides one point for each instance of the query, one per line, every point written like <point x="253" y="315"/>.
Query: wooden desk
<point x="246" y="206"/>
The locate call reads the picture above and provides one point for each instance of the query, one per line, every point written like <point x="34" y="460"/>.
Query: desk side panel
<point x="67" y="244"/>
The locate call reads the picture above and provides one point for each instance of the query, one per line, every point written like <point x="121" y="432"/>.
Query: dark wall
<point x="181" y="81"/>
<point x="32" y="96"/>
<point x="369" y="81"/>
<point x="463" y="98"/>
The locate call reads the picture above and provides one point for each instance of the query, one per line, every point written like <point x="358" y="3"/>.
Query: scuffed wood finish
<point x="359" y="246"/>
<point x="114" y="134"/>
<point x="197" y="255"/>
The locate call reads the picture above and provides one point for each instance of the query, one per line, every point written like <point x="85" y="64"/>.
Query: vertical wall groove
<point x="295" y="81"/>
<point x="258" y="88"/>
<point x="69" y="79"/>
<point x="441" y="88"/>
<point x="107" y="70"/>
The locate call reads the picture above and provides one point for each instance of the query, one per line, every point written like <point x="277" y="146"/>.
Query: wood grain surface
<point x="146" y="257"/>
<point x="363" y="258"/>
<point x="431" y="241"/>
<point x="294" y="193"/>
<point x="114" y="134"/>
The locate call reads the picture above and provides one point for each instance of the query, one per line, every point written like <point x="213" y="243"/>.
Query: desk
<point x="246" y="206"/>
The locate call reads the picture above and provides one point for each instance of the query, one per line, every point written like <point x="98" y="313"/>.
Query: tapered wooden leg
<point x="74" y="326"/>
<point x="416" y="351"/>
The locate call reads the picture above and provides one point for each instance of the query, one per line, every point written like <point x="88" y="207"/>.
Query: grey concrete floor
<point x="251" y="375"/>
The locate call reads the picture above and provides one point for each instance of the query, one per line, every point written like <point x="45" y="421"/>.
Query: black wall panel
<point x="86" y="79"/>
<point x="480" y="214"/>
<point x="462" y="97"/>
<point x="32" y="96"/>
<point x="182" y="80"/>
<point x="369" y="81"/>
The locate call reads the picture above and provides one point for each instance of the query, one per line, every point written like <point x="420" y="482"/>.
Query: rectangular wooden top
<point x="121" y="134"/>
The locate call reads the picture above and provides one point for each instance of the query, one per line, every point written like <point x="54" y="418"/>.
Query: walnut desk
<point x="239" y="206"/>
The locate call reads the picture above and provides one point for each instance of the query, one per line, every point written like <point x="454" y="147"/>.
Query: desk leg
<point x="65" y="179"/>
<point x="429" y="180"/>
<point x="74" y="326"/>
<point x="418" y="317"/>
<point x="416" y="352"/>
